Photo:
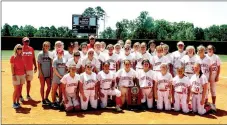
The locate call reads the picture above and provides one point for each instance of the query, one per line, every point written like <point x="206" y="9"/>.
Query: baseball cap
<point x="91" y="37"/>
<point x="25" y="39"/>
<point x="71" y="44"/>
<point x="180" y="43"/>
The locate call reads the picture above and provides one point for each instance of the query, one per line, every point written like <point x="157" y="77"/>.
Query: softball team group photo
<point x="89" y="75"/>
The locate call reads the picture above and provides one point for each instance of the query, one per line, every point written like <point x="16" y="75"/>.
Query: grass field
<point x="7" y="53"/>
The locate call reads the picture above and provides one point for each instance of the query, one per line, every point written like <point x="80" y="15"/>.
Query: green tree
<point x="53" y="31"/>
<point x="199" y="33"/>
<point x="223" y="32"/>
<point x="213" y="33"/>
<point x="6" y="30"/>
<point x="108" y="33"/>
<point x="29" y="30"/>
<point x="89" y="12"/>
<point x="163" y="29"/>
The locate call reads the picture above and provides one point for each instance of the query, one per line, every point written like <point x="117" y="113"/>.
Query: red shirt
<point x="19" y="67"/>
<point x="28" y="55"/>
<point x="90" y="46"/>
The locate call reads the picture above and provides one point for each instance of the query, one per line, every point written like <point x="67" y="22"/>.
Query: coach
<point x="91" y="42"/>
<point x="28" y="56"/>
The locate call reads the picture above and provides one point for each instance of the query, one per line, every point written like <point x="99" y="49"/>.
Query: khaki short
<point x="20" y="80"/>
<point x="30" y="75"/>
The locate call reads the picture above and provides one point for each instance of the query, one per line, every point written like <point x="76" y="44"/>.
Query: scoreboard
<point x="84" y="25"/>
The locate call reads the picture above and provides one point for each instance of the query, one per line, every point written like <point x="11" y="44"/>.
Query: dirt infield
<point x="33" y="112"/>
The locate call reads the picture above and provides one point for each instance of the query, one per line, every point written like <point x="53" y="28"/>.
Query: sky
<point x="201" y="14"/>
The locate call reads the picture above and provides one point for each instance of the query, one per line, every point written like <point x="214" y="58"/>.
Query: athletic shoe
<point x="21" y="98"/>
<point x="44" y="102"/>
<point x="118" y="109"/>
<point x="55" y="105"/>
<point x="213" y="107"/>
<point x="18" y="104"/>
<point x="15" y="106"/>
<point x="29" y="97"/>
<point x="47" y="101"/>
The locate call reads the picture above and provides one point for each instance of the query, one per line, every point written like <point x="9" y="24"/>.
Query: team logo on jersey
<point x="27" y="53"/>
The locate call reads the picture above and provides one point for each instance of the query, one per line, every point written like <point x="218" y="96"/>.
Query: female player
<point x="127" y="56"/>
<point x="125" y="78"/>
<point x="158" y="59"/>
<point x="112" y="58"/>
<point x="59" y="69"/>
<point x="94" y="61"/>
<point x="106" y="83"/>
<point x="168" y="56"/>
<point x="70" y="89"/>
<point x="189" y="60"/>
<point x="58" y="45"/>
<point x="88" y="88"/>
<point x="76" y="60"/>
<point x="146" y="81"/>
<point x="215" y="71"/>
<point x="117" y="49"/>
<point x="98" y="54"/>
<point x="18" y="74"/>
<point x="163" y="87"/>
<point x="152" y="46"/>
<point x="45" y="71"/>
<point x="199" y="87"/>
<point x="84" y="50"/>
<point x="181" y="91"/>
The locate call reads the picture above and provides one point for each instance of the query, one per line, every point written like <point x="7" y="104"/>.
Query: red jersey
<point x="90" y="46"/>
<point x="28" y="55"/>
<point x="19" y="67"/>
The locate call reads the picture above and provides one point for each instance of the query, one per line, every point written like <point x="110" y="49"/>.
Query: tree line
<point x="143" y="27"/>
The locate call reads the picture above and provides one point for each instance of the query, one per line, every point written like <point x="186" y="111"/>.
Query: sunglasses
<point x="89" y="66"/>
<point x="27" y="41"/>
<point x="146" y="64"/>
<point x="19" y="48"/>
<point x="127" y="48"/>
<point x="90" y="53"/>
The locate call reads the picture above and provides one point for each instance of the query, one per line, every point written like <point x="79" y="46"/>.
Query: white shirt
<point x="176" y="57"/>
<point x="100" y="56"/>
<point x="163" y="80"/>
<point x="68" y="56"/>
<point x="142" y="57"/>
<point x="181" y="84"/>
<point x="189" y="62"/>
<point x="105" y="79"/>
<point x="54" y="54"/>
<point x="158" y="61"/>
<point x="94" y="62"/>
<point x="126" y="78"/>
<point x="197" y="83"/>
<point x="72" y="62"/>
<point x="71" y="84"/>
<point x="82" y="55"/>
<point x="89" y="81"/>
<point x="215" y="62"/>
<point x="168" y="56"/>
<point x="113" y="59"/>
<point x="123" y="57"/>
<point x="205" y="65"/>
<point x="145" y="78"/>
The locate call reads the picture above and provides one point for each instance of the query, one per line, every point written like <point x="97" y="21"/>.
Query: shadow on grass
<point x="23" y="110"/>
<point x="31" y="102"/>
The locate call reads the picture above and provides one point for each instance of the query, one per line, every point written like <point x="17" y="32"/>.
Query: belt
<point x="125" y="87"/>
<point x="146" y="87"/>
<point x="105" y="88"/>
<point x="139" y="68"/>
<point x="157" y="70"/>
<point x="112" y="69"/>
<point x="91" y="88"/>
<point x="196" y="93"/>
<point x="162" y="90"/>
<point x="179" y="92"/>
<point x="189" y="73"/>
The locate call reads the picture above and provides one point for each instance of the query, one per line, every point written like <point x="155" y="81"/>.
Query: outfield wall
<point x="8" y="43"/>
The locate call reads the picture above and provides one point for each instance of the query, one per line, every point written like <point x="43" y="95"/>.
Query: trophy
<point x="134" y="96"/>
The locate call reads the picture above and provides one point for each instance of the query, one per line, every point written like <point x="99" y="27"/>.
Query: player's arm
<point x="56" y="72"/>
<point x="210" y="73"/>
<point x="155" y="90"/>
<point x="81" y="90"/>
<point x="51" y="69"/>
<point x="64" y="92"/>
<point x="117" y="65"/>
<point x="204" y="94"/>
<point x="171" y="69"/>
<point x="171" y="90"/>
<point x="97" y="88"/>
<point x="189" y="94"/>
<point x="40" y="70"/>
<point x="13" y="73"/>
<point x="218" y="72"/>
<point x="172" y="93"/>
<point x="34" y="61"/>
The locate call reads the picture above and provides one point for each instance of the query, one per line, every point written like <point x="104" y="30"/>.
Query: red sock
<point x="118" y="101"/>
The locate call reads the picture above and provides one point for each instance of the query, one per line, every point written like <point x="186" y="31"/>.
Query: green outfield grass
<point x="7" y="53"/>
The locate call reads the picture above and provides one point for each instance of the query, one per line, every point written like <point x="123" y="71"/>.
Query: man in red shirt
<point x="91" y="42"/>
<point x="28" y="56"/>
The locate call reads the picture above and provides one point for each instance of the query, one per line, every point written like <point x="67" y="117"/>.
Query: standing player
<point x="91" y="42"/>
<point x="168" y="56"/>
<point x="94" y="61"/>
<point x="84" y="50"/>
<point x="88" y="88"/>
<point x="146" y="81"/>
<point x="70" y="89"/>
<point x="177" y="55"/>
<point x="59" y="69"/>
<point x="181" y="91"/>
<point x="112" y="58"/>
<point x="152" y="46"/>
<point x="125" y="78"/>
<point x="205" y="63"/>
<point x="103" y="47"/>
<point x="163" y="88"/>
<point x="215" y="71"/>
<point x="158" y="59"/>
<point x="98" y="54"/>
<point x="189" y="60"/>
<point x="58" y="45"/>
<point x="76" y="60"/>
<point x="76" y="47"/>
<point x="28" y="56"/>
<point x="127" y="56"/>
<point x="199" y="86"/>
<point x="69" y="54"/>
<point x="106" y="83"/>
<point x="45" y="71"/>
<point x="117" y="49"/>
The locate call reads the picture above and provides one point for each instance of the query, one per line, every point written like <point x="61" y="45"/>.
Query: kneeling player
<point x="163" y="87"/>
<point x="146" y="80"/>
<point x="70" y="89"/>
<point x="181" y="90"/>
<point x="106" y="82"/>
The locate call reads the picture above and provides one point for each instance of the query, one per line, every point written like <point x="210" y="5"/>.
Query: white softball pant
<point x="180" y="98"/>
<point x="145" y="93"/>
<point x="106" y="93"/>
<point x="73" y="102"/>
<point x="163" y="97"/>
<point x="90" y="95"/>
<point x="213" y="84"/>
<point x="196" y="106"/>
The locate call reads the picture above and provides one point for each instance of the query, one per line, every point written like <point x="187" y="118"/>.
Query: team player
<point x="45" y="71"/>
<point x="28" y="56"/>
<point x="189" y="60"/>
<point x="158" y="59"/>
<point x="117" y="49"/>
<point x="84" y="50"/>
<point x="76" y="60"/>
<point x="126" y="55"/>
<point x="103" y="48"/>
<point x="205" y="63"/>
<point x="199" y="87"/>
<point x="215" y="71"/>
<point x="163" y="87"/>
<point x="112" y="58"/>
<point x="146" y="82"/>
<point x="125" y="78"/>
<point x="18" y="74"/>
<point x="168" y="56"/>
<point x="106" y="83"/>
<point x="88" y="88"/>
<point x="59" y="70"/>
<point x="70" y="89"/>
<point x="152" y="46"/>
<point x="181" y="90"/>
<point x="177" y="55"/>
<point x="98" y="54"/>
<point x="59" y="45"/>
<point x="94" y="61"/>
